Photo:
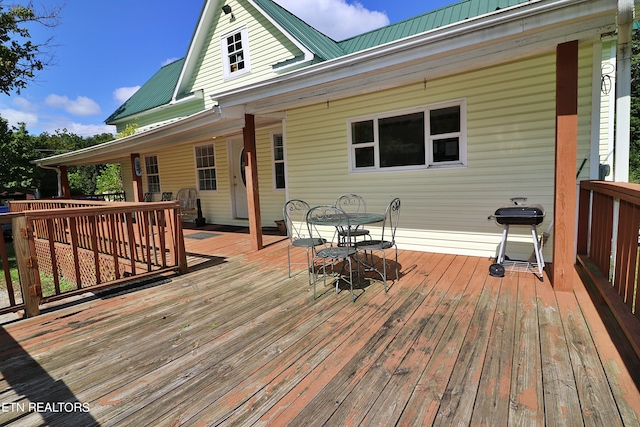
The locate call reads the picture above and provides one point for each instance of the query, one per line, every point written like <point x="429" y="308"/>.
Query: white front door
<point x="239" y="181"/>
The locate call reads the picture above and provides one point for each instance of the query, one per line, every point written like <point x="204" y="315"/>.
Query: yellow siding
<point x="267" y="46"/>
<point x="127" y="182"/>
<point x="177" y="170"/>
<point x="511" y="138"/>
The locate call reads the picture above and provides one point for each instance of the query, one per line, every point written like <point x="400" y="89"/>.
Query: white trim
<point x="214" y="167"/>
<point x="147" y="175"/>
<point x="508" y="34"/>
<point x="596" y="111"/>
<point x="429" y="163"/>
<point x="244" y="40"/>
<point x="308" y="55"/>
<point x="272" y="134"/>
<point x="198" y="40"/>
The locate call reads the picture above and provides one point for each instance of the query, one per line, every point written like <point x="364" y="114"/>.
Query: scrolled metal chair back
<point x="391" y="217"/>
<point x="294" y="213"/>
<point x="353" y="203"/>
<point x="327" y="216"/>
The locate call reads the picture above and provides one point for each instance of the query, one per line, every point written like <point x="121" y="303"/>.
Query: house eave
<point x="194" y="96"/>
<point x="507" y="34"/>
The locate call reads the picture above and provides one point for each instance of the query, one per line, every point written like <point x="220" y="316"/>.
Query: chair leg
<point x="384" y="271"/>
<point x="289" y="259"/>
<point x="353" y="299"/>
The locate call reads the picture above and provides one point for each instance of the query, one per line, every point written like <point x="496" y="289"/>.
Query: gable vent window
<point x="235" y="48"/>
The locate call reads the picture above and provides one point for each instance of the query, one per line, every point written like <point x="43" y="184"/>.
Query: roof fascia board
<point x="195" y="126"/>
<point x="197" y="43"/>
<point x="462" y="36"/>
<point x="417" y="71"/>
<point x="308" y="55"/>
<point x="199" y="94"/>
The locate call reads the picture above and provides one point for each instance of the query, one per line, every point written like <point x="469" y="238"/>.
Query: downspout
<point x="623" y="90"/>
<point x="58" y="173"/>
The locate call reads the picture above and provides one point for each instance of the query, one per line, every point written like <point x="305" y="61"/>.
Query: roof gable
<point x="177" y="80"/>
<point x="321" y="45"/>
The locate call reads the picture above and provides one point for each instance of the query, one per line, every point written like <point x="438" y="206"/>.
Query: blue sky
<point x="104" y="50"/>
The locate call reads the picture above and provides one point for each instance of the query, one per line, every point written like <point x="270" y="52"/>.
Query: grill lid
<point x="519" y="215"/>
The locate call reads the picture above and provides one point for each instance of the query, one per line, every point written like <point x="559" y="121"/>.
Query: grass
<point x="47" y="282"/>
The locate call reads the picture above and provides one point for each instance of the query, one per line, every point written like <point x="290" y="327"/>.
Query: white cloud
<point x="81" y="106"/>
<point x="169" y="61"/>
<point x="53" y="124"/>
<point x="24" y="104"/>
<point x="124" y="93"/>
<point x="15" y="116"/>
<point x="337" y="19"/>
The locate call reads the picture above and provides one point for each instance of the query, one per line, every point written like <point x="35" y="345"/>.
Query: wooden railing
<point x="105" y="197"/>
<point x="608" y="230"/>
<point x="90" y="245"/>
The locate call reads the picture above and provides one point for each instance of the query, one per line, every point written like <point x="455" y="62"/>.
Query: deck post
<point x="564" y="212"/>
<point x="253" y="193"/>
<point x="27" y="266"/>
<point x="65" y="188"/>
<point x="136" y="177"/>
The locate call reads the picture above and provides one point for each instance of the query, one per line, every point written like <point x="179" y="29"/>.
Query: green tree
<point x="20" y="57"/>
<point x="18" y="149"/>
<point x="109" y="180"/>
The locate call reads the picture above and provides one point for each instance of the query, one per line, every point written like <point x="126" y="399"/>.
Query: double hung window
<point x="153" y="174"/>
<point x="278" y="161"/>
<point x="206" y="167"/>
<point x="235" y="53"/>
<point x="424" y="137"/>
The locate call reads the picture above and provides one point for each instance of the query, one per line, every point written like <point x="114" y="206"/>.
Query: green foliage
<point x="129" y="130"/>
<point x="18" y="149"/>
<point x="110" y="180"/>
<point x="18" y="173"/>
<point x="20" y="57"/>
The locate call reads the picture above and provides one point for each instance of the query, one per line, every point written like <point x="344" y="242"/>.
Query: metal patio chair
<point x="294" y="213"/>
<point x="325" y="221"/>
<point x="352" y="203"/>
<point x="387" y="240"/>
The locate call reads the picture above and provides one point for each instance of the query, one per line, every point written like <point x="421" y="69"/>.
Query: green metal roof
<point x="438" y="18"/>
<point x="322" y="46"/>
<point x="157" y="91"/>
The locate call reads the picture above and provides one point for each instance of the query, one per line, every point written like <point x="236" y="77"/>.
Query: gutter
<point x="369" y="60"/>
<point x="58" y="173"/>
<point x="623" y="91"/>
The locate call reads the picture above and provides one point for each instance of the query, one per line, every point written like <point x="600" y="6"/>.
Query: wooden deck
<point x="236" y="342"/>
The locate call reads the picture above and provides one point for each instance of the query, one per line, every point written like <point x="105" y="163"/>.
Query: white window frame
<point x="226" y="68"/>
<point x="157" y="174"/>
<point x="278" y="161"/>
<point x="208" y="167"/>
<point x="429" y="163"/>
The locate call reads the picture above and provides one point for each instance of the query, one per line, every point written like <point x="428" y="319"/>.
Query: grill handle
<point x="515" y="200"/>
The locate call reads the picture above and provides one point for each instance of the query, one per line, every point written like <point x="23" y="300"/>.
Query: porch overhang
<point x="199" y="127"/>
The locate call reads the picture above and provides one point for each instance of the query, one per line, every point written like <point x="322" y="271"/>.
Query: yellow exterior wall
<point x="267" y="46"/>
<point x="177" y="170"/>
<point x="510" y="152"/>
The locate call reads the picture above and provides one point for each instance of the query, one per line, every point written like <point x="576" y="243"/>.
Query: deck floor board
<point x="237" y="342"/>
